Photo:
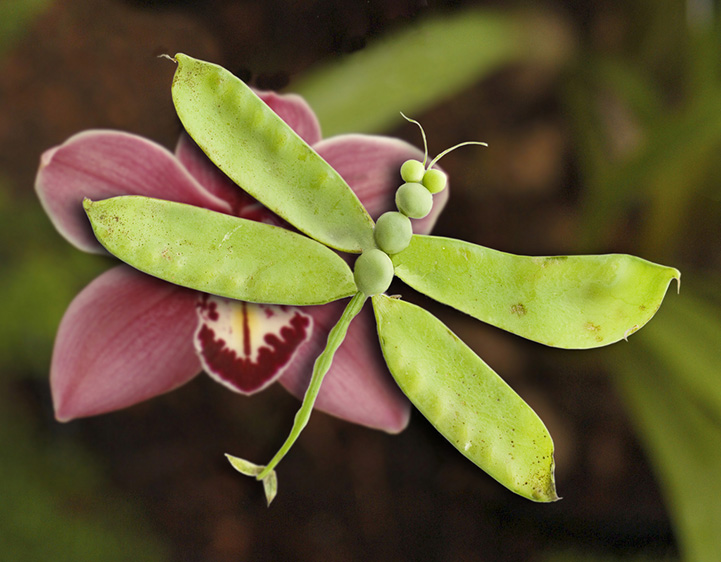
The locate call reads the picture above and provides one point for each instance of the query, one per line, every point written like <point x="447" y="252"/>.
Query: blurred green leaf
<point x="648" y="123"/>
<point x="687" y="340"/>
<point x="667" y="169"/>
<point x="663" y="377"/>
<point x="15" y="16"/>
<point x="57" y="506"/>
<point x="423" y="64"/>
<point x="40" y="275"/>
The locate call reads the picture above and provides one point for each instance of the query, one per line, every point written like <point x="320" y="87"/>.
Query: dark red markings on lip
<point x="242" y="373"/>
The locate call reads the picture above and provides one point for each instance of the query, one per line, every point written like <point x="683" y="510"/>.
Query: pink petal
<point x="210" y="177"/>
<point x="247" y="346"/>
<point x="358" y="387"/>
<point x="125" y="338"/>
<point x="296" y="112"/>
<point x="371" y="165"/>
<point x="220" y="185"/>
<point x="99" y="164"/>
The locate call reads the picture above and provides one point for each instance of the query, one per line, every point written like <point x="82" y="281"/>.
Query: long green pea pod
<point x="219" y="254"/>
<point x="465" y="399"/>
<point x="266" y="158"/>
<point x="574" y="302"/>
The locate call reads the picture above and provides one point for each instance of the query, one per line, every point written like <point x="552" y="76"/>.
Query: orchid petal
<point x="358" y="387"/>
<point x="246" y="346"/>
<point x="210" y="177"/>
<point x="101" y="164"/>
<point x="296" y="112"/>
<point x="125" y="338"/>
<point x="371" y="165"/>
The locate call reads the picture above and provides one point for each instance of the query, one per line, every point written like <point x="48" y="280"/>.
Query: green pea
<point x="465" y="400"/>
<point x="562" y="301"/>
<point x="412" y="171"/>
<point x="393" y="232"/>
<point x="435" y="180"/>
<point x="373" y="272"/>
<point x="414" y="200"/>
<point x="266" y="158"/>
<point x="219" y="254"/>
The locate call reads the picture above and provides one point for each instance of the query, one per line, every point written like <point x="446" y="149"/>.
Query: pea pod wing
<point x="565" y="301"/>
<point x="265" y="157"/>
<point x="219" y="254"/>
<point x="465" y="400"/>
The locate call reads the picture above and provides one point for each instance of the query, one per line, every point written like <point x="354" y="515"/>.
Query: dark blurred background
<point x="604" y="125"/>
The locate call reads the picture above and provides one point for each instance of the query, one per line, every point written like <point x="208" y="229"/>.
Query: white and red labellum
<point x="247" y="346"/>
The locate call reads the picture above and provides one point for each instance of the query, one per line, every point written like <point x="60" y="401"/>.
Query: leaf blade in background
<point x="684" y="444"/>
<point x="57" y="504"/>
<point x="423" y="64"/>
<point x="15" y="16"/>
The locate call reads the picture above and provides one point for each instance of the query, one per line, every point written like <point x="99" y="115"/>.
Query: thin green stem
<point x="320" y="368"/>
<point x="423" y="134"/>
<point x="447" y="150"/>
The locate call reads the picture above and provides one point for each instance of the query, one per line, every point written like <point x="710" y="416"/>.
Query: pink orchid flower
<point x="128" y="337"/>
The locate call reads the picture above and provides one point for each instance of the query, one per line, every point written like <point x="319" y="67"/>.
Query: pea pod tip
<point x="170" y="58"/>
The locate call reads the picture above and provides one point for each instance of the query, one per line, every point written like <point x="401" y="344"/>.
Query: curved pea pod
<point x="465" y="400"/>
<point x="264" y="156"/>
<point x="219" y="254"/>
<point x="565" y="301"/>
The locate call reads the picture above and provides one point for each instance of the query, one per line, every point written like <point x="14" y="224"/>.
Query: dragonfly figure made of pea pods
<point x="565" y="301"/>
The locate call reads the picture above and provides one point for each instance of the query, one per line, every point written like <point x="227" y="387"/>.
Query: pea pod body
<point x="219" y="254"/>
<point x="266" y="158"/>
<point x="465" y="400"/>
<point x="562" y="301"/>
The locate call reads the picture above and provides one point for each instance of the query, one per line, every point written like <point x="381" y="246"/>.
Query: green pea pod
<point x="465" y="400"/>
<point x="572" y="302"/>
<point x="218" y="253"/>
<point x="264" y="156"/>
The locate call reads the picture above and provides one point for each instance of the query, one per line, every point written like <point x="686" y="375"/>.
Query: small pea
<point x="393" y="232"/>
<point x="414" y="200"/>
<point x="412" y="171"/>
<point x="373" y="272"/>
<point x="435" y="180"/>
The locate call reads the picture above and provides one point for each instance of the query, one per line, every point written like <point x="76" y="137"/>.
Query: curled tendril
<point x="442" y="154"/>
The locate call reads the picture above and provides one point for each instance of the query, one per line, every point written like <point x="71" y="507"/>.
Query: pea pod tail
<point x="247" y="468"/>
<point x="266" y="474"/>
<point x="466" y="401"/>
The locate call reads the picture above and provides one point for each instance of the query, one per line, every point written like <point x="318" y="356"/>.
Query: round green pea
<point x="393" y="232"/>
<point x="412" y="171"/>
<point x="373" y="272"/>
<point x="414" y="200"/>
<point x="435" y="180"/>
